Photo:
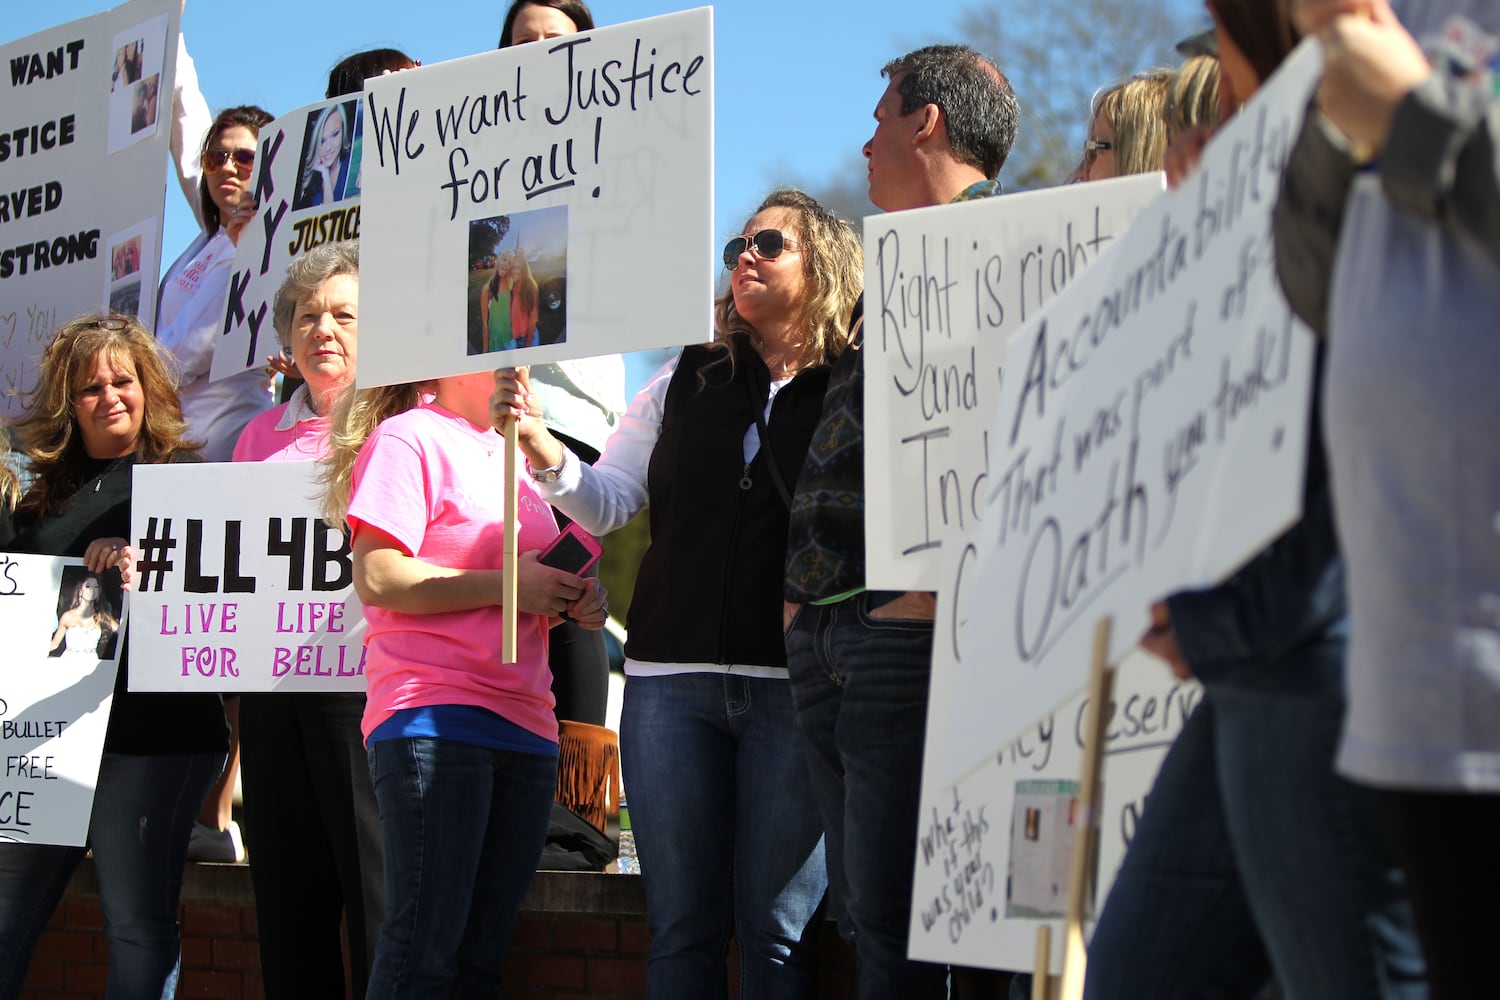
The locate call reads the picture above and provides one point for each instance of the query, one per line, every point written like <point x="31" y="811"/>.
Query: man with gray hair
<point x="860" y="660"/>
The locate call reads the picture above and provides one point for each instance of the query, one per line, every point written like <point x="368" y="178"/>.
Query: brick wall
<point x="581" y="937"/>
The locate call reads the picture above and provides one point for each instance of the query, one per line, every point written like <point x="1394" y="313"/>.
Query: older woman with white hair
<point x="310" y="815"/>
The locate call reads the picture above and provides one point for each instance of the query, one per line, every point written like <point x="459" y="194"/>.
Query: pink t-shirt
<point x="291" y="432"/>
<point x="435" y="483"/>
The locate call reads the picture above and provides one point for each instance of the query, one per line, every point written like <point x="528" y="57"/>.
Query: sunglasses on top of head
<point x="768" y="244"/>
<point x="215" y="159"/>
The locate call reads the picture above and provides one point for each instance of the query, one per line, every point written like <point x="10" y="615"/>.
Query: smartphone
<point x="574" y="550"/>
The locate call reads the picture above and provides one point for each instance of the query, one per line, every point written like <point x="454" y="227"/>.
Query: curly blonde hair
<point x="49" y="430"/>
<point x="356" y="414"/>
<point x="833" y="264"/>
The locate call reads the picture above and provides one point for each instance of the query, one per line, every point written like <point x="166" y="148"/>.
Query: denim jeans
<point x="143" y="814"/>
<point x="727" y="833"/>
<point x="860" y="685"/>
<point x="463" y="827"/>
<point x="313" y="828"/>
<point x="1254" y="859"/>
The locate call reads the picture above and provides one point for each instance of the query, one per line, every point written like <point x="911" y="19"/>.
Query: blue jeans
<point x="463" y="827"/>
<point x="727" y="832"/>
<point x="860" y="685"/>
<point x="143" y="814"/>
<point x="1254" y="859"/>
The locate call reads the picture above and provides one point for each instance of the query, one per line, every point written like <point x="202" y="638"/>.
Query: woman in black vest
<point x="724" y="818"/>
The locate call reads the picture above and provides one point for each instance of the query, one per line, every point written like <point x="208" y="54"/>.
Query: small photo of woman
<point x="326" y="155"/>
<point x="143" y="105"/>
<point x="517" y="280"/>
<point x="127" y="64"/>
<point x="87" y="626"/>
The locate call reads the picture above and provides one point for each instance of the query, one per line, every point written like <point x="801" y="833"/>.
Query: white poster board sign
<point x="307" y="175"/>
<point x="993" y="849"/>
<point x="240" y="585"/>
<point x="88" y="99"/>
<point x="581" y="167"/>
<point x="62" y="626"/>
<point x="1154" y="424"/>
<point x="945" y="287"/>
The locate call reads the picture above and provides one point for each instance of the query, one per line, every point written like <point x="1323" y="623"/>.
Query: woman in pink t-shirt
<point x="462" y="747"/>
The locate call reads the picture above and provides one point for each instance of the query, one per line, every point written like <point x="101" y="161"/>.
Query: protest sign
<point x="993" y="848"/>
<point x="62" y="626"/>
<point x="1153" y="424"/>
<point x="307" y="176"/>
<point x="539" y="203"/>
<point x="88" y="99"/>
<point x="945" y="287"/>
<point x="256" y="596"/>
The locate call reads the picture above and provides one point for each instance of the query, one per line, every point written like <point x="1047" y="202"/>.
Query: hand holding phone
<point x="573" y="550"/>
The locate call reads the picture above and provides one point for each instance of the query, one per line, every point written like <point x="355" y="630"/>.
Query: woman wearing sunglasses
<point x="189" y="316"/>
<point x="190" y="311"/>
<point x="722" y="808"/>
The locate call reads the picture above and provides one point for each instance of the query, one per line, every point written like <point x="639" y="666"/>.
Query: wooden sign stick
<point x="1086" y="837"/>
<point x="512" y="545"/>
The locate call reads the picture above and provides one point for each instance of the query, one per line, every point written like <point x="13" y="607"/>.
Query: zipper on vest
<point x="745" y="481"/>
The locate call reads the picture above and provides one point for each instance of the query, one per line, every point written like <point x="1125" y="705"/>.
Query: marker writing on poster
<point x="26" y="69"/>
<point x="589" y="90"/>
<point x="317" y="555"/>
<point x="28" y="140"/>
<point x="339" y="224"/>
<point x="265" y="191"/>
<point x="42" y="254"/>
<point x="29" y="202"/>
<point x="9" y="585"/>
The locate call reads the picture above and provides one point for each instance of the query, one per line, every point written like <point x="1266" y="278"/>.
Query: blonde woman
<point x="462" y="747"/>
<point x="721" y="800"/>
<point x="1128" y="130"/>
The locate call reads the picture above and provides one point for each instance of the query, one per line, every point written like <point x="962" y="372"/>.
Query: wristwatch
<point x="548" y="475"/>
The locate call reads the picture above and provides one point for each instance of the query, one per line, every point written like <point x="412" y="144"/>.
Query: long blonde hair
<point x="356" y="414"/>
<point x="833" y="264"/>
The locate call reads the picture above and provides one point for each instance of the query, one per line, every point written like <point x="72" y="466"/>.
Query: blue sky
<point x="797" y="80"/>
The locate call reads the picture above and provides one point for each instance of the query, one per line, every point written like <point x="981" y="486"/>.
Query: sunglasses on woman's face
<point x="215" y="159"/>
<point x="767" y="244"/>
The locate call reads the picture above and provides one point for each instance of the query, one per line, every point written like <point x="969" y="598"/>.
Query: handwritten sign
<point x="945" y="287"/>
<point x="539" y="203"/>
<point x="90" y="96"/>
<point x="993" y="848"/>
<point x="1154" y="420"/>
<point x="62" y="627"/>
<point x="307" y="176"/>
<point x="257" y="595"/>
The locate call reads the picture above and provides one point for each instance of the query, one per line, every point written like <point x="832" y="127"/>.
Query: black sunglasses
<point x="768" y="244"/>
<point x="215" y="159"/>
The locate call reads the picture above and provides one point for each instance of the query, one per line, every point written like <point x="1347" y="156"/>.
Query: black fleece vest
<point x="709" y="586"/>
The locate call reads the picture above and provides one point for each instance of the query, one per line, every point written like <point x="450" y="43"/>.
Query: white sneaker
<point x="207" y="844"/>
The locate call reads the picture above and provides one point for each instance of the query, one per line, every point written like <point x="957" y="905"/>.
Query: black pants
<point x="1449" y="846"/>
<point x="312" y="831"/>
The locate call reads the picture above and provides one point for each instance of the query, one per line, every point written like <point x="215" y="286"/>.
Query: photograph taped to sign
<point x="62" y="624"/>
